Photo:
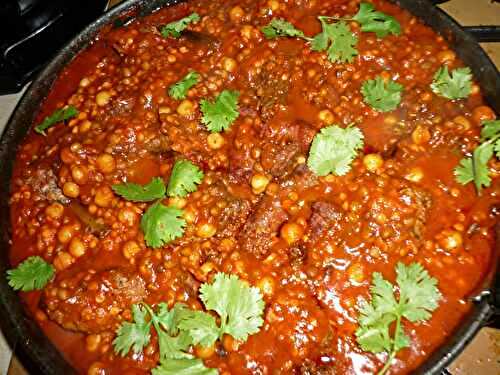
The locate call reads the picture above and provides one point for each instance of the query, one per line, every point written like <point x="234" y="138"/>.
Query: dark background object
<point x="32" y="31"/>
<point x="23" y="333"/>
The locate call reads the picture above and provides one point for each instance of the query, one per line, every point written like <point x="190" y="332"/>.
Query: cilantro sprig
<point x="180" y="89"/>
<point x="32" y="274"/>
<point x="220" y="114"/>
<point x="240" y="308"/>
<point x="162" y="224"/>
<point x="333" y="149"/>
<point x="475" y="168"/>
<point x="59" y="115"/>
<point x="175" y="28"/>
<point x="380" y="329"/>
<point x="336" y="38"/>
<point x="458" y="85"/>
<point x="184" y="178"/>
<point x="381" y="96"/>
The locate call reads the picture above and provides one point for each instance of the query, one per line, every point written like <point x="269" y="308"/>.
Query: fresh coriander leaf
<point x="155" y="189"/>
<point x="333" y="149"/>
<point x="57" y="116"/>
<point x="183" y="367"/>
<point x="376" y="21"/>
<point x="184" y="178"/>
<point x="219" y="115"/>
<point x="202" y="327"/>
<point x="338" y="41"/>
<point x="180" y="89"/>
<point x="490" y="130"/>
<point x="169" y="319"/>
<point x="239" y="305"/>
<point x="134" y="335"/>
<point x="418" y="298"/>
<point x="279" y="27"/>
<point x="162" y="224"/>
<point x="458" y="85"/>
<point x="32" y="274"/>
<point x="380" y="96"/>
<point x="175" y="28"/>
<point x="475" y="169"/>
<point x="173" y="347"/>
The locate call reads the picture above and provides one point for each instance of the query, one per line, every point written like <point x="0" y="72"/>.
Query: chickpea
<point x="259" y="183"/>
<point x="130" y="249"/>
<point x="291" y="232"/>
<point x="420" y="135"/>
<point x="482" y="113"/>
<point x="85" y="126"/>
<point x="415" y="174"/>
<point x="204" y="353"/>
<point x="230" y="344"/>
<point x="80" y="174"/>
<point x="103" y="196"/>
<point x="106" y="163"/>
<point x="92" y="342"/>
<point x="452" y="240"/>
<point x="186" y="108"/>
<point x="163" y="110"/>
<point x="205" y="230"/>
<point x="390" y="120"/>
<point x="102" y="98"/>
<point x="373" y="162"/>
<point x="71" y="190"/>
<point x="247" y="32"/>
<point x="356" y="273"/>
<point x="77" y="247"/>
<point x="215" y="141"/>
<point x="55" y="211"/>
<point x="326" y="116"/>
<point x="65" y="234"/>
<point x="207" y="267"/>
<point x="236" y="14"/>
<point x="267" y="286"/>
<point x="446" y="57"/>
<point x="127" y="216"/>
<point x="190" y="215"/>
<point x="97" y="368"/>
<point x="462" y="122"/>
<point x="274" y="5"/>
<point x="63" y="260"/>
<point x="67" y="157"/>
<point x="84" y="82"/>
<point x="177" y="202"/>
<point x="229" y="64"/>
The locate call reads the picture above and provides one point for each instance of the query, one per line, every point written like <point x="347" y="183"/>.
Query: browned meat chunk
<point x="93" y="303"/>
<point x="261" y="227"/>
<point x="233" y="217"/>
<point x="44" y="183"/>
<point x="325" y="217"/>
<point x="312" y="368"/>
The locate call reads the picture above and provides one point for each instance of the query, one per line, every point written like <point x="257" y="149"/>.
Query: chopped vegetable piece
<point x="134" y="335"/>
<point x="475" y="168"/>
<point x="155" y="189"/>
<point x="333" y="149"/>
<point x="337" y="39"/>
<point x="279" y="27"/>
<point x="458" y="85"/>
<point x="183" y="367"/>
<point x="380" y="96"/>
<point x="376" y="21"/>
<point x="175" y="28"/>
<point x="32" y="274"/>
<point x="418" y="298"/>
<point x="57" y="116"/>
<point x="239" y="305"/>
<point x="180" y="89"/>
<point x="221" y="114"/>
<point x="184" y="178"/>
<point x="162" y="225"/>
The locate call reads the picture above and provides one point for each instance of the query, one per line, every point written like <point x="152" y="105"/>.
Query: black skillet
<point x="36" y="351"/>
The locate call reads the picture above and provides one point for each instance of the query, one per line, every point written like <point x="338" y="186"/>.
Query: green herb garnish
<point x="458" y="85"/>
<point x="175" y="28"/>
<point x="475" y="168"/>
<point x="333" y="149"/>
<point x="338" y="41"/>
<point x="381" y="96"/>
<point x="376" y="21"/>
<point x="155" y="189"/>
<point x="32" y="274"/>
<point x="380" y="329"/>
<point x="162" y="224"/>
<point x="183" y="367"/>
<point x="279" y="28"/>
<point x="180" y="89"/>
<point x="184" y="178"/>
<point x="220" y="114"/>
<point x="57" y="116"/>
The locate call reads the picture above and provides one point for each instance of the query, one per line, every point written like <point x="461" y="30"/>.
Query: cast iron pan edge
<point x="21" y="331"/>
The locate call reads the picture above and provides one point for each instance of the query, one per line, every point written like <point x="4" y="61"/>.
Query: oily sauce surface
<point x="409" y="208"/>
